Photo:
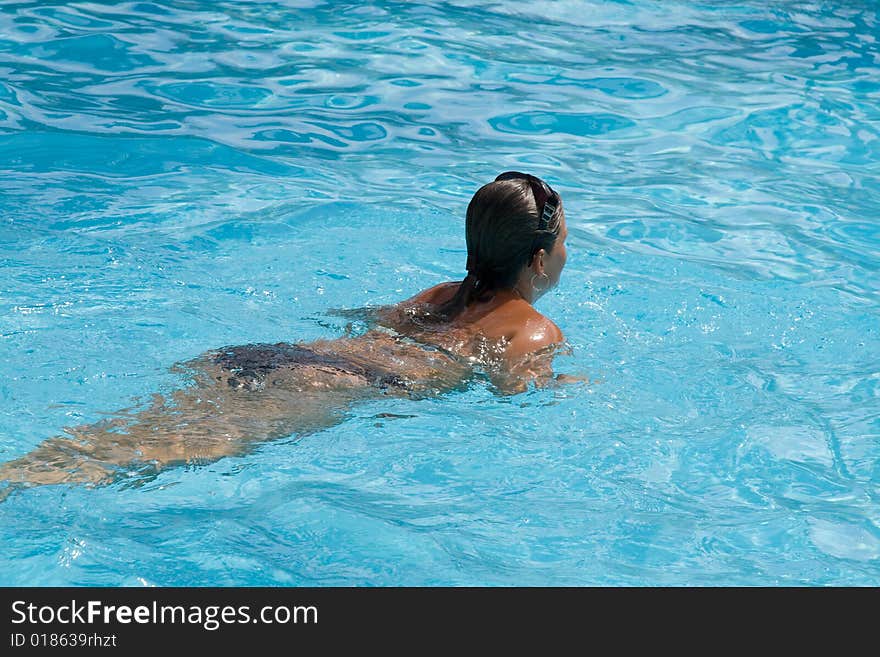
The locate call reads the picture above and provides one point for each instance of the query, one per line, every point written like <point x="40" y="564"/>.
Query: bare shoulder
<point x="535" y="333"/>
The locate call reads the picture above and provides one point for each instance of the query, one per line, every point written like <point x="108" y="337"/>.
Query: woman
<point x="427" y="345"/>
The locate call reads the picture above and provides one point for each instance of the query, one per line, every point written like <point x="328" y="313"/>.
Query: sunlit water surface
<point x="178" y="176"/>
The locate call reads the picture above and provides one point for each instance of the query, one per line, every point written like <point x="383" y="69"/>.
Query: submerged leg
<point x="195" y="425"/>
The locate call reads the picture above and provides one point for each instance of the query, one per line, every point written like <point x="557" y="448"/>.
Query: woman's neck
<point x="507" y="294"/>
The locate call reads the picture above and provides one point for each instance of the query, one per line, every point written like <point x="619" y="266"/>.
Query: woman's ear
<point x="538" y="261"/>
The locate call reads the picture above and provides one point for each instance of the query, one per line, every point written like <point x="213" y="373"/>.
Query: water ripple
<point x="181" y="175"/>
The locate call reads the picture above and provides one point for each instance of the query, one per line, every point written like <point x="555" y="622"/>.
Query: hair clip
<point x="549" y="209"/>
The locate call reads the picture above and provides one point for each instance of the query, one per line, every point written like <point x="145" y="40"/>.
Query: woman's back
<point x="498" y="333"/>
<point x="402" y="353"/>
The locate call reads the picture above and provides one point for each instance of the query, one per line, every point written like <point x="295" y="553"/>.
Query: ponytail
<point x="467" y="291"/>
<point x="475" y="286"/>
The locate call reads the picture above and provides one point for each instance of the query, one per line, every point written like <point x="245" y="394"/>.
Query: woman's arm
<point x="529" y="359"/>
<point x="394" y="315"/>
<point x="536" y="370"/>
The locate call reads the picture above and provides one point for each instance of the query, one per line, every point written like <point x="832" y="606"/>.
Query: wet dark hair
<point x="508" y="221"/>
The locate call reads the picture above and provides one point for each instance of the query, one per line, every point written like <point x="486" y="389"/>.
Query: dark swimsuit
<point x="251" y="363"/>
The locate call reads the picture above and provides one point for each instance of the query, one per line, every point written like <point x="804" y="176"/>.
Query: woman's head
<point x="515" y="232"/>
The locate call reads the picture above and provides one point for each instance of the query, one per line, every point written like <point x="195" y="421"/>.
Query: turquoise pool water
<point x="178" y="176"/>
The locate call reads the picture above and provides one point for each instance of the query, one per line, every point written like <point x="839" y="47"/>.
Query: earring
<point x="540" y="289"/>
